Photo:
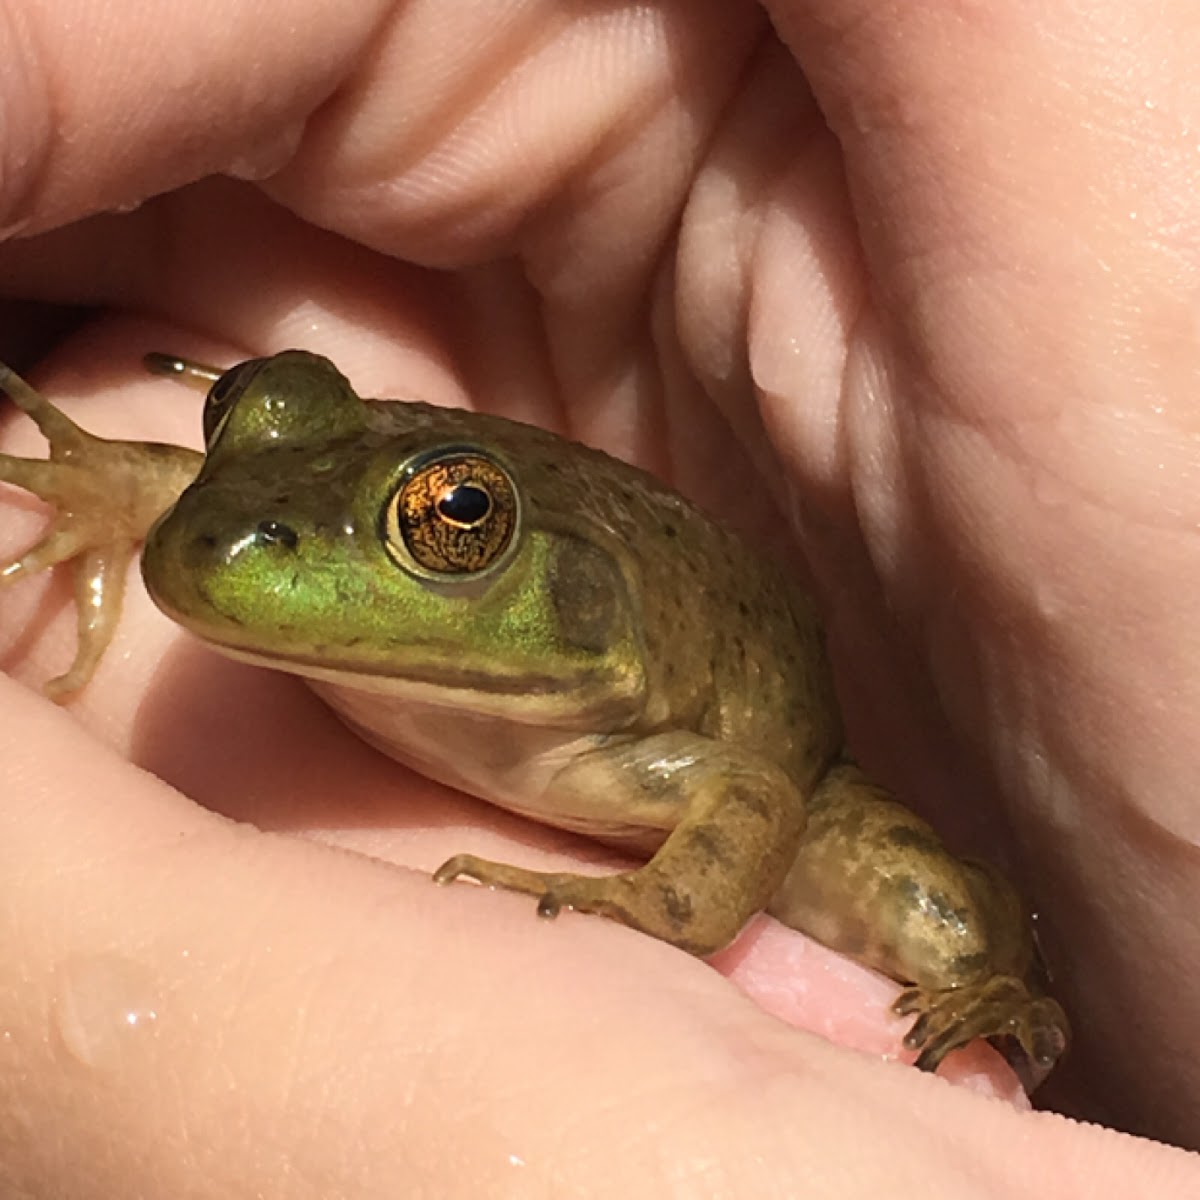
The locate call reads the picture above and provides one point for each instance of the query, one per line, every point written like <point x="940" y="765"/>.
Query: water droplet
<point x="105" y="1006"/>
<point x="268" y="156"/>
<point x="1048" y="601"/>
<point x="128" y="206"/>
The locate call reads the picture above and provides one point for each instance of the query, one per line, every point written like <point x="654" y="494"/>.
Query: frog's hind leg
<point x="99" y="577"/>
<point x="872" y="880"/>
<point x="106" y="495"/>
<point x="731" y="824"/>
<point x="98" y="571"/>
<point x="58" y="429"/>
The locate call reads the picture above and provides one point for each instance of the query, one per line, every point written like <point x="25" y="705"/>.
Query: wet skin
<point x="555" y="631"/>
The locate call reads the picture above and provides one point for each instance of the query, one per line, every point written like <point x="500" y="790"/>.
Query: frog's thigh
<point x="872" y="880"/>
<point x="734" y="822"/>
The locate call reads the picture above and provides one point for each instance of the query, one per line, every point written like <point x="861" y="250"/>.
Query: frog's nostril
<point x="276" y="533"/>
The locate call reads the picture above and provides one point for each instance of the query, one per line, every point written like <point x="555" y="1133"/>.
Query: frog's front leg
<point x="106" y="494"/>
<point x="873" y="880"/>
<point x="731" y="823"/>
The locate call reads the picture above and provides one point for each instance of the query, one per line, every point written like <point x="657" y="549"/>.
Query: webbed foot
<point x="106" y="495"/>
<point x="1001" y="1006"/>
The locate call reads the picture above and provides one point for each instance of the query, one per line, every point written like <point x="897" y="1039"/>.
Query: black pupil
<point x="465" y="504"/>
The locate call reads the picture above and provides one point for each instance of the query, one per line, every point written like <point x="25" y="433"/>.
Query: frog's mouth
<point x="598" y="698"/>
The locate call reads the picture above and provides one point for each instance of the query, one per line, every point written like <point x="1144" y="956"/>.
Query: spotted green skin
<point x="622" y="610"/>
<point x="627" y="668"/>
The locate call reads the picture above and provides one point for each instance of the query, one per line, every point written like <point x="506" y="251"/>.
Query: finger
<point x="242" y="1009"/>
<point x="1024" y="373"/>
<point x="183" y="92"/>
<point x="426" y="133"/>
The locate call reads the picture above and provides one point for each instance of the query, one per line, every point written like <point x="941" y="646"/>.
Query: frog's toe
<point x="105" y="496"/>
<point x="629" y="897"/>
<point x="999" y="1007"/>
<point x="553" y="892"/>
<point x="60" y="544"/>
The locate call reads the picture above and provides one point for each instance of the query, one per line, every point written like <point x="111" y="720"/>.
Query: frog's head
<point x="391" y="551"/>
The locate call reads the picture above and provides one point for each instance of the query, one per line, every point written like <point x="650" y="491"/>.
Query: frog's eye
<point x="452" y="515"/>
<point x="223" y="395"/>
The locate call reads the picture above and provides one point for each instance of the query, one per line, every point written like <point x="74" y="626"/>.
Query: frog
<point x="559" y="633"/>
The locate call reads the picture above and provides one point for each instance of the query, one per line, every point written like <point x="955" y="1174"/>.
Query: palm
<point x="649" y="263"/>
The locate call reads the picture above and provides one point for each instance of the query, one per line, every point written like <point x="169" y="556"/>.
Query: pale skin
<point x="980" y="383"/>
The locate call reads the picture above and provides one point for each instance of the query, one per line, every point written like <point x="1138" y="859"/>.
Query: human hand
<point x="917" y="363"/>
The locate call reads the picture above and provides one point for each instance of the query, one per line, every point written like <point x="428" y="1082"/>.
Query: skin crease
<point x="962" y="315"/>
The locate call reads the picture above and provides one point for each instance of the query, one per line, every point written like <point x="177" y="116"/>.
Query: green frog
<point x="553" y="630"/>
